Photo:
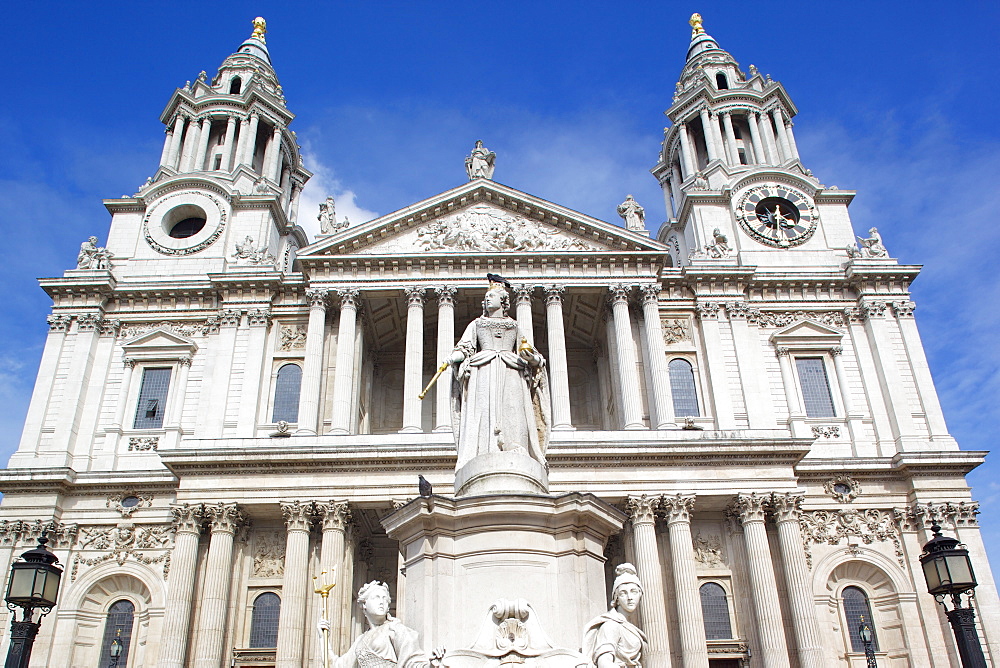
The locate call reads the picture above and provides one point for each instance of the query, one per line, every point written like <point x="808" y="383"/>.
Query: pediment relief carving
<point x="159" y="344"/>
<point x="807" y="333"/>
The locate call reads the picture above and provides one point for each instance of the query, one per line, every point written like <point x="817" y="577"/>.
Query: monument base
<point x="501" y="473"/>
<point x="461" y="555"/>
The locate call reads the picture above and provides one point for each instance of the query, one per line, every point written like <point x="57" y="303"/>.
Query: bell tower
<point x="734" y="185"/>
<point x="226" y="192"/>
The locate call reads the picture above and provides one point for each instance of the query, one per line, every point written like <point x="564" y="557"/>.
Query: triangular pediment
<point x="159" y="344"/>
<point x="807" y="333"/>
<point x="481" y="217"/>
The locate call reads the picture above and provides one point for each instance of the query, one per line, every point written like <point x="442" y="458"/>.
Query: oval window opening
<point x="187" y="228"/>
<point x="130" y="502"/>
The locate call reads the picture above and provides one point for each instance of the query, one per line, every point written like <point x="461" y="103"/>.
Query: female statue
<point x="387" y="643"/>
<point x="612" y="640"/>
<point x="500" y="399"/>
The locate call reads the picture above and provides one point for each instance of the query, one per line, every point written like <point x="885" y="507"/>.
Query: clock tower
<point x="735" y="188"/>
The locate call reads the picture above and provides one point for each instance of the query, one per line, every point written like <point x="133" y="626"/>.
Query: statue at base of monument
<point x="387" y="643"/>
<point x="612" y="640"/>
<point x="500" y="394"/>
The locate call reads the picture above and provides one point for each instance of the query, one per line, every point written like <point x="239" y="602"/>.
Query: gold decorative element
<point x="260" y="27"/>
<point x="695" y="22"/>
<point x="323" y="589"/>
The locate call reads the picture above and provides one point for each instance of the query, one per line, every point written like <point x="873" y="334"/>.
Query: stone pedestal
<point x="501" y="473"/>
<point x="461" y="555"/>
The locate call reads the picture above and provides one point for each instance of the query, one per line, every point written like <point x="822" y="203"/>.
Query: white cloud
<point x="323" y="183"/>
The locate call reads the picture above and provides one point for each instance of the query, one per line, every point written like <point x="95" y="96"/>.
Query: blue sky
<point x="896" y="100"/>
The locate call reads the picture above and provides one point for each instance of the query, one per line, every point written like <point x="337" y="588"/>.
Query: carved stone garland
<point x="831" y="527"/>
<point x="122" y="542"/>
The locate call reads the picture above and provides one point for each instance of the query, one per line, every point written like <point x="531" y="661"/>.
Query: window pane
<point x="855" y="607"/>
<point x="152" y="399"/>
<point x="118" y="625"/>
<point x="286" y="393"/>
<point x="682" y="387"/>
<point x="264" y="623"/>
<point x="815" y="386"/>
<point x="715" y="611"/>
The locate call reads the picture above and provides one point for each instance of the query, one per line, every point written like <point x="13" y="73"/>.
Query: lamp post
<point x="116" y="648"/>
<point x="865" y="633"/>
<point x="948" y="571"/>
<point x="33" y="585"/>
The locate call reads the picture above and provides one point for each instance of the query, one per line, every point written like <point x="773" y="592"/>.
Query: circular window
<point x="842" y="488"/>
<point x="187" y="228"/>
<point x="130" y="502"/>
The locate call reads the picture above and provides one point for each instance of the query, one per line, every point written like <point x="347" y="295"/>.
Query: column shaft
<point x="694" y="650"/>
<point x="293" y="209"/>
<point x="168" y="141"/>
<point x="688" y="159"/>
<point x="627" y="362"/>
<point x="759" y="155"/>
<point x="920" y="369"/>
<point x="270" y="169"/>
<point x="334" y="516"/>
<point x="769" y="141"/>
<point x="250" y="145"/>
<point x="413" y="361"/>
<point x="175" y="146"/>
<point x="206" y="133"/>
<point x="445" y="344"/>
<point x="294" y="585"/>
<point x="708" y="315"/>
<point x="183" y="568"/>
<point x="241" y="142"/>
<point x="653" y="607"/>
<point x="227" y="149"/>
<point x="793" y="559"/>
<point x="558" y="366"/>
<point x="734" y="151"/>
<point x="779" y="125"/>
<point x="209" y="653"/>
<point x="312" y="367"/>
<point x="706" y="124"/>
<point x="175" y="411"/>
<point x="123" y="390"/>
<point x="790" y="137"/>
<point x="524" y="321"/>
<point x="657" y="357"/>
<point x="190" y="148"/>
<point x="259" y="321"/>
<point x="343" y="383"/>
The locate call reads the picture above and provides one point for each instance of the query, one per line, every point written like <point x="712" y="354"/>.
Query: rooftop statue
<point x="633" y="214"/>
<point x="500" y="394"/>
<point x="259" y="28"/>
<point x="611" y="640"/>
<point x="481" y="162"/>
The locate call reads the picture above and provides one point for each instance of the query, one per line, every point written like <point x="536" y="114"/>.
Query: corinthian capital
<point x="643" y="508"/>
<point x="678" y="508"/>
<point x="349" y="297"/>
<point x="224" y="517"/>
<point x="334" y="515"/>
<point x="751" y="507"/>
<point x="786" y="507"/>
<point x="415" y="297"/>
<point x="317" y="297"/>
<point x="619" y="293"/>
<point x="650" y="293"/>
<point x="187" y="518"/>
<point x="298" y="515"/>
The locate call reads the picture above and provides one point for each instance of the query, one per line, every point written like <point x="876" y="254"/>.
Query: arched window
<point x="683" y="388"/>
<point x="855" y="607"/>
<point x="235" y="85"/>
<point x="715" y="611"/>
<point x="264" y="622"/>
<point x="286" y="393"/>
<point x="721" y="82"/>
<point x="117" y="625"/>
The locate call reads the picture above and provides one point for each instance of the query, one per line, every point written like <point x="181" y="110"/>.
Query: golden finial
<point x="259" y="28"/>
<point x="696" y="28"/>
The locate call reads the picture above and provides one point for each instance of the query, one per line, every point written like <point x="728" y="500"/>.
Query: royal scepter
<point x="323" y="589"/>
<point x="441" y="370"/>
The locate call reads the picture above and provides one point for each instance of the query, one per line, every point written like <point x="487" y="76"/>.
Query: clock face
<point x="777" y="215"/>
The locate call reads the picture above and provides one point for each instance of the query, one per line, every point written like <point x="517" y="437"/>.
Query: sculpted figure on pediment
<point x="633" y="214"/>
<point x="481" y="162"/>
<point x="485" y="229"/>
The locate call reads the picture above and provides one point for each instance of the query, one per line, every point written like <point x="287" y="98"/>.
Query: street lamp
<point x="865" y="633"/>
<point x="948" y="571"/>
<point x="33" y="585"/>
<point x="116" y="648"/>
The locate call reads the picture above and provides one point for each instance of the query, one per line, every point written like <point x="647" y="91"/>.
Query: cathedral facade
<point x="737" y="403"/>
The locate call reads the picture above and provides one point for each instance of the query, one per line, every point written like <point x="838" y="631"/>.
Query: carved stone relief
<point x="291" y="337"/>
<point x="122" y="542"/>
<point x="268" y="555"/>
<point x="948" y="514"/>
<point x="832" y="527"/>
<point x="133" y="329"/>
<point x="27" y="532"/>
<point x="708" y="551"/>
<point x="676" y="330"/>
<point x="141" y="443"/>
<point x="826" y="431"/>
<point x="842" y="488"/>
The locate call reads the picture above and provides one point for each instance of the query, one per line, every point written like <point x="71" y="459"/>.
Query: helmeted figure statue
<point x="611" y="640"/>
<point x="388" y="643"/>
<point x="500" y="397"/>
<point x="481" y="162"/>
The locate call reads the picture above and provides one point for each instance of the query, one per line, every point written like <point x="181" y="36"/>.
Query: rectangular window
<point x="815" y="387"/>
<point x="152" y="399"/>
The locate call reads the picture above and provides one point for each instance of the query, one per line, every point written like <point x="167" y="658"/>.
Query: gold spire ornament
<point x="695" y="22"/>
<point x="259" y="28"/>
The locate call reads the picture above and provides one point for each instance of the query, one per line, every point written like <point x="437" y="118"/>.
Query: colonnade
<point x="223" y="521"/>
<point x="349" y="302"/>
<point x="748" y="514"/>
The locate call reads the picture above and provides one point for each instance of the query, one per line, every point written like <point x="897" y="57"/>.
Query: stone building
<point x="740" y="405"/>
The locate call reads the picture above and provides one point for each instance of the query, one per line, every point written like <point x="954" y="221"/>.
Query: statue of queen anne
<point x="500" y="394"/>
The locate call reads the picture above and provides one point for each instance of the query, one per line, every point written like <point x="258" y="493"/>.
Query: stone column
<point x="657" y="356"/>
<point x="903" y="310"/>
<point x="708" y="317"/>
<point x="779" y="124"/>
<point x="627" y="363"/>
<point x="675" y="183"/>
<point x="206" y="132"/>
<point x="293" y="208"/>
<point x="218" y="392"/>
<point x="734" y="151"/>
<point x="270" y="169"/>
<point x="880" y="341"/>
<point x="227" y="150"/>
<point x="694" y="649"/>
<point x="523" y="299"/>
<point x="750" y="361"/>
<point x="294" y="584"/>
<point x="769" y="140"/>
<point x="854" y="419"/>
<point x="190" y="147"/>
<point x="764" y="589"/>
<point x="445" y="344"/>
<point x="790" y="136"/>
<point x="175" y="410"/>
<point x="786" y="508"/>
<point x="259" y="321"/>
<point x="183" y="567"/>
<point x="343" y="379"/>
<point x="760" y="156"/>
<point x="312" y="368"/>
<point x="558" y="368"/>
<point x="129" y="368"/>
<point x="175" y="147"/>
<point x="706" y="124"/>
<point x="688" y="159"/>
<point x="225" y="519"/>
<point x="796" y="413"/>
<point x="250" y="145"/>
<point x="652" y="608"/>
<point x="241" y="142"/>
<point x="334" y="516"/>
<point x="413" y="361"/>
<point x="168" y="141"/>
